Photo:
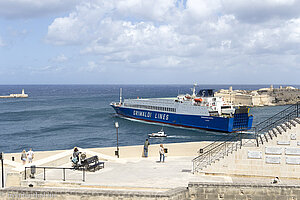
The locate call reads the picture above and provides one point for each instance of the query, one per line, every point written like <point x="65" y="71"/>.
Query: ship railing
<point x="167" y="101"/>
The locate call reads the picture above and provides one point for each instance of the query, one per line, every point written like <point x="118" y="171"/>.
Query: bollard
<point x="32" y="171"/>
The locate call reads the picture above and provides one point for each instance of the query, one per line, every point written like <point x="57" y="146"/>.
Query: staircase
<point x="262" y="134"/>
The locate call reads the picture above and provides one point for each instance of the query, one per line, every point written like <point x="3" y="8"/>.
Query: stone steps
<point x="293" y="123"/>
<point x="283" y="127"/>
<point x="297" y="120"/>
<point x="261" y="140"/>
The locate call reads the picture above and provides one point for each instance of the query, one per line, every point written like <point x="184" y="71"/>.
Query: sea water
<point x="63" y="116"/>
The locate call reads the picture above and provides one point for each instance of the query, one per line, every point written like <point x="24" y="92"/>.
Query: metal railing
<point x="220" y="140"/>
<point x="263" y="132"/>
<point x="277" y="124"/>
<point x="57" y="168"/>
<point x="217" y="152"/>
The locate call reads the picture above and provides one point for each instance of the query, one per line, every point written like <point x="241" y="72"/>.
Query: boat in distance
<point x="160" y="133"/>
<point x="201" y="111"/>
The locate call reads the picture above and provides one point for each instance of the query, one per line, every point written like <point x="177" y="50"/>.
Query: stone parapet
<point x="90" y="194"/>
<point x="228" y="191"/>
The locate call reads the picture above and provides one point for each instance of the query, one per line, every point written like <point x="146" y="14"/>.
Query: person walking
<point x="23" y="157"/>
<point x="146" y="145"/>
<point x="161" y="153"/>
<point x="30" y="155"/>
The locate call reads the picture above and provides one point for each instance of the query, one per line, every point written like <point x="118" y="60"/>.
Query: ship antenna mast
<point x="194" y="90"/>
<point x="120" y="95"/>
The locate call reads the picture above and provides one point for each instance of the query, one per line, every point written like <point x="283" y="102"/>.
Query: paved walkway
<point x="139" y="172"/>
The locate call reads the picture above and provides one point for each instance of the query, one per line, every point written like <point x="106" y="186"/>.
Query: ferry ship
<point x="200" y="111"/>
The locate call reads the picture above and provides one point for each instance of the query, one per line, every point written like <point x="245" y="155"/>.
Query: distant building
<point x="246" y="98"/>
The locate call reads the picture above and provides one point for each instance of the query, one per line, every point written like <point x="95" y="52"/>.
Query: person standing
<point x="30" y="155"/>
<point x="146" y="145"/>
<point x="23" y="157"/>
<point x="161" y="153"/>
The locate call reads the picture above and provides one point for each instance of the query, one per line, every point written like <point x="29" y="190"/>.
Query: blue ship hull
<point x="239" y="122"/>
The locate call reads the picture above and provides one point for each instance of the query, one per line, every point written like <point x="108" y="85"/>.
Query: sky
<point x="149" y="41"/>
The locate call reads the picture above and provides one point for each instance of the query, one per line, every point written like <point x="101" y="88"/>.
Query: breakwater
<point x="22" y="95"/>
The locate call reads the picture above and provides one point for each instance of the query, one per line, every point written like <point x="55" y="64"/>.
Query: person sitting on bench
<point x="75" y="156"/>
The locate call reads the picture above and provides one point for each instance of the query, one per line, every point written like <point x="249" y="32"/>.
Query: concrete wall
<point x="279" y="157"/>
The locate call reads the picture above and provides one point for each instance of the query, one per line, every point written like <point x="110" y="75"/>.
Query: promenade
<point x="131" y="171"/>
<point x="134" y="177"/>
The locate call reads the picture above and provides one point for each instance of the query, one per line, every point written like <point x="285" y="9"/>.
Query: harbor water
<point x="63" y="116"/>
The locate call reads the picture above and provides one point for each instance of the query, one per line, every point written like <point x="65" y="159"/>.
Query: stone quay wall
<point x="243" y="191"/>
<point x="89" y="194"/>
<point x="220" y="191"/>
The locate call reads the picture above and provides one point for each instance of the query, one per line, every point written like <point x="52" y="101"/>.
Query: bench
<point x="91" y="163"/>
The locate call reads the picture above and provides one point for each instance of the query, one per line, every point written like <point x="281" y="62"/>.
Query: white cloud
<point x="146" y="10"/>
<point x="44" y="69"/>
<point x="202" y="34"/>
<point x="33" y="8"/>
<point x="254" y="11"/>
<point x="202" y="9"/>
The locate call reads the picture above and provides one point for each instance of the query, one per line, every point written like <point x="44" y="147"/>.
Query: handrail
<point x="216" y="142"/>
<point x="263" y="133"/>
<point x="295" y="106"/>
<point x="216" y="152"/>
<point x="262" y="130"/>
<point x="63" y="168"/>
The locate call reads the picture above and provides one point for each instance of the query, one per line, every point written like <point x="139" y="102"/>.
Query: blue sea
<point x="63" y="116"/>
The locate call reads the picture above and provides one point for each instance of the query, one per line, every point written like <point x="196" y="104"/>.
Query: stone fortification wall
<point x="262" y="97"/>
<point x="243" y="191"/>
<point x="62" y="194"/>
<point x="278" y="157"/>
<point x="223" y="191"/>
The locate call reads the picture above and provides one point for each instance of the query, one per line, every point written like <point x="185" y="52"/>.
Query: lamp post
<point x="2" y="169"/>
<point x="117" y="127"/>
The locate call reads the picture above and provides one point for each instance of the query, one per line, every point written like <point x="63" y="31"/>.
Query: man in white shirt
<point x="30" y="155"/>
